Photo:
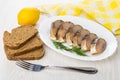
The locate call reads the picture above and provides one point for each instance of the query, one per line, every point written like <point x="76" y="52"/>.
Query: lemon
<point x="28" y="16"/>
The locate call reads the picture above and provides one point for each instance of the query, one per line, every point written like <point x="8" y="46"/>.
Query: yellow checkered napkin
<point x="105" y="12"/>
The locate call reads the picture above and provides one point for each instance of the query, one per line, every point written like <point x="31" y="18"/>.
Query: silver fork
<point x="36" y="67"/>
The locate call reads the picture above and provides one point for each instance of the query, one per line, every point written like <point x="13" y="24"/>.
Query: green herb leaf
<point x="77" y="50"/>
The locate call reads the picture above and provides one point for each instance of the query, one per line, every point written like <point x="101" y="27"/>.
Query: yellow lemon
<point x="28" y="16"/>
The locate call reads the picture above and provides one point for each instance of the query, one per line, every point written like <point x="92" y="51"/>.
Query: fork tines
<point x="24" y="64"/>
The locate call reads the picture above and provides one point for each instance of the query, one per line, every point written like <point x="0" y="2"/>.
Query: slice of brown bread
<point x="19" y="36"/>
<point x="32" y="44"/>
<point x="32" y="55"/>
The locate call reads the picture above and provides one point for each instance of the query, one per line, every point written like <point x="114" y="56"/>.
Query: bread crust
<point x="32" y="44"/>
<point x="19" y="36"/>
<point x="32" y="55"/>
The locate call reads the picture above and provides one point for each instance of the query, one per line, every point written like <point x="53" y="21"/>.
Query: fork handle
<point x="88" y="70"/>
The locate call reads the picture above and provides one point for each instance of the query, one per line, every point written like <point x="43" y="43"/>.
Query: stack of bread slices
<point x="23" y="43"/>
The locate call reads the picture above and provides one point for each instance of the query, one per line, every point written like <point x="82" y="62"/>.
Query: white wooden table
<point x="109" y="69"/>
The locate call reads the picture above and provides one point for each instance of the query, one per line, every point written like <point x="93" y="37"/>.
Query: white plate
<point x="44" y="32"/>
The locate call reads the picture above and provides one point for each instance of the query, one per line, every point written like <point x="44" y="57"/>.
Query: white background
<point x="109" y="69"/>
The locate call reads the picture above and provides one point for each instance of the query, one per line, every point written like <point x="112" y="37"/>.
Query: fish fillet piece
<point x="79" y="37"/>
<point x="98" y="46"/>
<point x="54" y="29"/>
<point x="64" y="28"/>
<point x="86" y="43"/>
<point x="72" y="32"/>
